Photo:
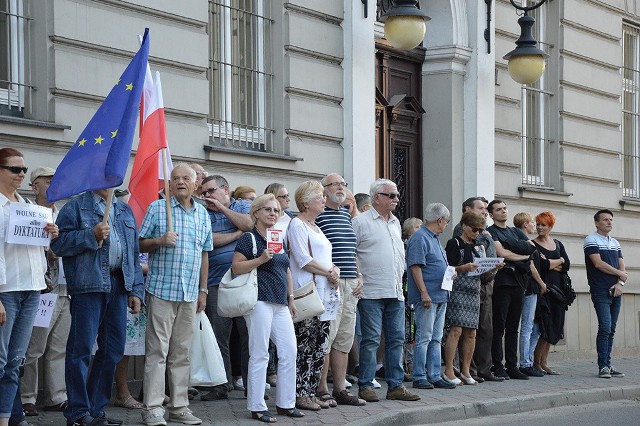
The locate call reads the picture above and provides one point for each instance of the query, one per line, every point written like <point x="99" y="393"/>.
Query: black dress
<point x="550" y="312"/>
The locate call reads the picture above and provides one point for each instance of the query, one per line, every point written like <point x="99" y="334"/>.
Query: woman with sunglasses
<point x="463" y="309"/>
<point x="272" y="315"/>
<point x="22" y="269"/>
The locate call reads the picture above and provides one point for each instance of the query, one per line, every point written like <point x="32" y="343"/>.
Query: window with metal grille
<point x="631" y="110"/>
<point x="240" y="74"/>
<point x="14" y="82"/>
<point x="535" y="100"/>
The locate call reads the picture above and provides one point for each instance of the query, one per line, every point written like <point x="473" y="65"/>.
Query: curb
<point x="496" y="407"/>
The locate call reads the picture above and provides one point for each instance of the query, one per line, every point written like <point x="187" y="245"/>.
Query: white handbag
<point x="308" y="303"/>
<point x="238" y="296"/>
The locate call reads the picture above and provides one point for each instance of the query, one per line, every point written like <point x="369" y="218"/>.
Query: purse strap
<point x="310" y="253"/>
<point x="255" y="248"/>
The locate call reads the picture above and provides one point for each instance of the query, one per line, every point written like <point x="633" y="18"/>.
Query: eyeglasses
<point x="445" y="219"/>
<point x="15" y="169"/>
<point x="477" y="229"/>
<point x="337" y="184"/>
<point x="284" y="197"/>
<point x="391" y="195"/>
<point x="270" y="210"/>
<point x="209" y="191"/>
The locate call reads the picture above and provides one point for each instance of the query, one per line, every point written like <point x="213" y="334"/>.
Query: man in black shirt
<point x="510" y="283"/>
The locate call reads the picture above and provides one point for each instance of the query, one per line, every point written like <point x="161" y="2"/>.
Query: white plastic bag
<point x="207" y="367"/>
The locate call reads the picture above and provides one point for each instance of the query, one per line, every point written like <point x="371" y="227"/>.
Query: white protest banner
<point x="45" y="310"/>
<point x="26" y="224"/>
<point x="485" y="264"/>
<point x="447" y="280"/>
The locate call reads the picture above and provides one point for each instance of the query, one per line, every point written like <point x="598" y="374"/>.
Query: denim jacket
<point x="86" y="266"/>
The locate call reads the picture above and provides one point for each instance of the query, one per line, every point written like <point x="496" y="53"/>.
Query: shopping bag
<point x="207" y="367"/>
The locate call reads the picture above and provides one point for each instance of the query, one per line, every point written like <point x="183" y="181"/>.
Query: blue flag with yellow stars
<point x="100" y="156"/>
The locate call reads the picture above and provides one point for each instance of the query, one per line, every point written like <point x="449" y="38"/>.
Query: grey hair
<point x="220" y="180"/>
<point x="183" y="165"/>
<point x="324" y="180"/>
<point x="377" y="185"/>
<point x="435" y="211"/>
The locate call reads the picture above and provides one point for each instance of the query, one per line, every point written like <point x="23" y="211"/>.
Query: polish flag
<point x="147" y="176"/>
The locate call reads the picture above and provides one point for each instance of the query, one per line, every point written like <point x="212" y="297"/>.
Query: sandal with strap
<point x="306" y="403"/>
<point x="290" y="412"/>
<point x="129" y="403"/>
<point x="30" y="410"/>
<point x="263" y="416"/>
<point x="344" y="397"/>
<point x="327" y="399"/>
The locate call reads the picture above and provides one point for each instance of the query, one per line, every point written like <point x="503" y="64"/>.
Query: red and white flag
<point x="147" y="176"/>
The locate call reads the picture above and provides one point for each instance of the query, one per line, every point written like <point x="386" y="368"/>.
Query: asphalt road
<point x="621" y="413"/>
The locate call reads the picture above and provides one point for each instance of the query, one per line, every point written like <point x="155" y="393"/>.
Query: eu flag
<point x="100" y="156"/>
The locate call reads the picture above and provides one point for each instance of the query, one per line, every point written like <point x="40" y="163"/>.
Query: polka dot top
<point x="272" y="275"/>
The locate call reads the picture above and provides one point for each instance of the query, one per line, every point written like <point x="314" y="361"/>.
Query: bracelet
<point x="204" y="290"/>
<point x="621" y="283"/>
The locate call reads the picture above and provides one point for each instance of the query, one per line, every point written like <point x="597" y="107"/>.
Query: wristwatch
<point x="621" y="283"/>
<point x="204" y="290"/>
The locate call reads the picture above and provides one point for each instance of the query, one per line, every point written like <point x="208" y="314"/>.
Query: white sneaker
<point x="376" y="385"/>
<point x="186" y="418"/>
<point x="153" y="417"/>
<point x="238" y="384"/>
<point x="347" y="384"/>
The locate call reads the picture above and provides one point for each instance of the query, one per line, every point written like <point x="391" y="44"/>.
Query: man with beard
<point x="335" y="223"/>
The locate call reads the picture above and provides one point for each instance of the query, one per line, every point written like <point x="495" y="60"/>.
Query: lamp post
<point x="404" y="24"/>
<point x="526" y="62"/>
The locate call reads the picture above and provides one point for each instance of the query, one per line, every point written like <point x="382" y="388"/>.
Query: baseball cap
<point x="41" y="171"/>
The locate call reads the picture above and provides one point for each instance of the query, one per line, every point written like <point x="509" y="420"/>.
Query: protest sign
<point x="26" y="224"/>
<point x="45" y="310"/>
<point x="485" y="264"/>
<point x="274" y="240"/>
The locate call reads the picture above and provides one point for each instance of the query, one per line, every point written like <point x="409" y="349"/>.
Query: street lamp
<point x="526" y="61"/>
<point x="404" y="24"/>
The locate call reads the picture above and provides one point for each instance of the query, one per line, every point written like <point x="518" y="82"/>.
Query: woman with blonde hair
<point x="271" y="318"/>
<point x="311" y="259"/>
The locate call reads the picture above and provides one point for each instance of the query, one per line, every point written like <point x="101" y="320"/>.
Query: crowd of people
<point x="398" y="304"/>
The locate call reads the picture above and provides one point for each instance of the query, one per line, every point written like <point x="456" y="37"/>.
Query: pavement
<point x="578" y="384"/>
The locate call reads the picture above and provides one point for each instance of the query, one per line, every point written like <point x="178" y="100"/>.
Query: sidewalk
<point x="578" y="384"/>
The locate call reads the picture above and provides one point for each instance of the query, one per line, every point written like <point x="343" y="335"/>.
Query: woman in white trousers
<point x="272" y="315"/>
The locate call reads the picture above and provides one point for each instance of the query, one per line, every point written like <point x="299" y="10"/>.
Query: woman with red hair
<point x="554" y="263"/>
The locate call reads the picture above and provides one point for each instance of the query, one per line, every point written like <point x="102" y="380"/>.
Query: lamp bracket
<point x="527" y="9"/>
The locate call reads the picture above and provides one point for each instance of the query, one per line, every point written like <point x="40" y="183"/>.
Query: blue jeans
<point x="376" y="314"/>
<point x="607" y="310"/>
<point x="427" y="355"/>
<point x="101" y="315"/>
<point x="528" y="339"/>
<point x="21" y="308"/>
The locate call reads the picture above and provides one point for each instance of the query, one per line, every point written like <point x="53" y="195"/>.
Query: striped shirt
<point x="336" y="226"/>
<point x="174" y="271"/>
<point x="610" y="252"/>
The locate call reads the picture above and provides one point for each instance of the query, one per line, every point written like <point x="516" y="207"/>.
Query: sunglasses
<point x="477" y="229"/>
<point x="284" y="197"/>
<point x="391" y="195"/>
<point x="271" y="210"/>
<point x="209" y="191"/>
<point x="15" y="169"/>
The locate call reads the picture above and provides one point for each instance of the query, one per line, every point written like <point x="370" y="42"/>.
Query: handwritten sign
<point x="447" y="280"/>
<point x="274" y="240"/>
<point x="45" y="310"/>
<point x="26" y="224"/>
<point x="485" y="264"/>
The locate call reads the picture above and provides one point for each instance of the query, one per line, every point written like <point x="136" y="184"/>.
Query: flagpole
<point x="107" y="210"/>
<point x="167" y="193"/>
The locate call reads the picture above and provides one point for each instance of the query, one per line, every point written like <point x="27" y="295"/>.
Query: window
<point x="536" y="103"/>
<point x="240" y="74"/>
<point x="13" y="84"/>
<point x="631" y="111"/>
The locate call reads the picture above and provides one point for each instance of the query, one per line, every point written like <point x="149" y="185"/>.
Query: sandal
<point x="263" y="416"/>
<point x="290" y="412"/>
<point x="129" y="403"/>
<point x="306" y="403"/>
<point x="344" y="397"/>
<point x="327" y="399"/>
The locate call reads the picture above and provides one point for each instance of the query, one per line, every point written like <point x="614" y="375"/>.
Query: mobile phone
<point x="611" y="291"/>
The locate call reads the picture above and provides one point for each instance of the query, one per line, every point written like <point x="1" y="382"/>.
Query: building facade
<point x="265" y="91"/>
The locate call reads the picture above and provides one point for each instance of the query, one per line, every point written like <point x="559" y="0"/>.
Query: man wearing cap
<point x="48" y="343"/>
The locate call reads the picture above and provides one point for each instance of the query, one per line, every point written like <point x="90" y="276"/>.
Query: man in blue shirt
<point x="606" y="276"/>
<point x="229" y="220"/>
<point x="427" y="264"/>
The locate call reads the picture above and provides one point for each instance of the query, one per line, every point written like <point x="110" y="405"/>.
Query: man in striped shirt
<point x="335" y="223"/>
